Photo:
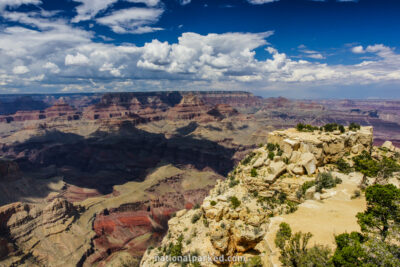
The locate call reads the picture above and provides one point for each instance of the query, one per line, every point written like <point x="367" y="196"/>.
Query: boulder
<point x="309" y="162"/>
<point x="296" y="156"/>
<point x="298" y="170"/>
<point x="356" y="149"/>
<point x="310" y="193"/>
<point x="389" y="145"/>
<point x="245" y="237"/>
<point x="219" y="238"/>
<point x="259" y="162"/>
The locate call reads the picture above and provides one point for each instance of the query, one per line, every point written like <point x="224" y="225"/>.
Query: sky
<point x="290" y="48"/>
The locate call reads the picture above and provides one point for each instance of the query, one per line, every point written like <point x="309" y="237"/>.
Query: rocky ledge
<point x="236" y="216"/>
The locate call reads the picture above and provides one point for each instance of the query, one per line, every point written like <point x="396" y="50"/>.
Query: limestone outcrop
<point x="325" y="146"/>
<point x="234" y="219"/>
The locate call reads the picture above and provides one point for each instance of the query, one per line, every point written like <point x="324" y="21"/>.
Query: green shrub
<point x="294" y="250"/>
<point x="368" y="166"/>
<point x="271" y="155"/>
<point x="388" y="166"/>
<point x="343" y="166"/>
<point x="235" y="202"/>
<point x="356" y="194"/>
<point x="291" y="206"/>
<point x="306" y="127"/>
<point x="303" y="189"/>
<point x="205" y="222"/>
<point x="282" y="197"/>
<point x="175" y="250"/>
<point x="354" y="127"/>
<point x="325" y="180"/>
<point x="196" y="206"/>
<point x="253" y="172"/>
<point x="365" y="164"/>
<point x="196" y="217"/>
<point x="232" y="183"/>
<point x="271" y="147"/>
<point x="280" y="152"/>
<point x="300" y="127"/>
<point x="253" y="262"/>
<point x="341" y="128"/>
<point x="330" y="127"/>
<point x="213" y="203"/>
<point x="248" y="158"/>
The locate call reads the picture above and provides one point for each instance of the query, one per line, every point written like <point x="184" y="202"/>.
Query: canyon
<point x="92" y="179"/>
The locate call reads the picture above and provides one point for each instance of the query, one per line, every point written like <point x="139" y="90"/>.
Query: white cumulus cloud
<point x="17" y="3"/>
<point x="78" y="59"/>
<point x="90" y="8"/>
<point x="133" y="20"/>
<point x="20" y="69"/>
<point x="358" y="49"/>
<point x="52" y="53"/>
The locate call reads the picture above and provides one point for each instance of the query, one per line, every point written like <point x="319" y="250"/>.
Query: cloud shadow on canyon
<point x="106" y="159"/>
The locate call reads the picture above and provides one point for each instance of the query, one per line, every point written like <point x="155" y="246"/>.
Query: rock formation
<point x="234" y="219"/>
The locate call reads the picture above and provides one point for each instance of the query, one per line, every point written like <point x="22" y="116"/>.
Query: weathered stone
<point x="245" y="237"/>
<point x="259" y="162"/>
<point x="219" y="238"/>
<point x="356" y="149"/>
<point x="181" y="213"/>
<point x="389" y="145"/>
<point x="310" y="193"/>
<point x="309" y="162"/>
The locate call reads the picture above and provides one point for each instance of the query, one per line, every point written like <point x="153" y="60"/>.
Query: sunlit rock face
<point x="237" y="215"/>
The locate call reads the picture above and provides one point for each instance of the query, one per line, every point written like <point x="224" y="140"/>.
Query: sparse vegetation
<point x="368" y="166"/>
<point x="380" y="223"/>
<point x="383" y="210"/>
<point x="343" y="166"/>
<point x="325" y="180"/>
<point x="233" y="182"/>
<point x="235" y="202"/>
<point x="294" y="250"/>
<point x="254" y="261"/>
<point x="248" y="158"/>
<point x="306" y="127"/>
<point x="330" y="127"/>
<point x="356" y="194"/>
<point x="196" y="217"/>
<point x="253" y="172"/>
<point x="286" y="160"/>
<point x="354" y="127"/>
<point x="271" y="155"/>
<point x="270" y="147"/>
<point x="303" y="189"/>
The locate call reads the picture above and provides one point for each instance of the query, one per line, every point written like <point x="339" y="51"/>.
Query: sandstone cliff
<point x="240" y="213"/>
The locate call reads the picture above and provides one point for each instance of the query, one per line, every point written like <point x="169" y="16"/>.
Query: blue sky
<point x="293" y="48"/>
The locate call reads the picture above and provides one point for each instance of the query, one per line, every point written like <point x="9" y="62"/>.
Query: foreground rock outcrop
<point x="235" y="218"/>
